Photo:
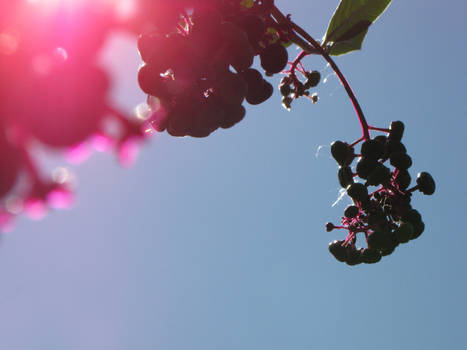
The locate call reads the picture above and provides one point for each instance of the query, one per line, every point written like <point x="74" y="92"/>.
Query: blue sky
<point x="219" y="243"/>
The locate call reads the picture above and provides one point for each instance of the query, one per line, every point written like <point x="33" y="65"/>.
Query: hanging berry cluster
<point x="384" y="216"/>
<point x="198" y="95"/>
<point x="197" y="72"/>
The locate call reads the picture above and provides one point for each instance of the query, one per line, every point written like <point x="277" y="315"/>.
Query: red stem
<point x="283" y="19"/>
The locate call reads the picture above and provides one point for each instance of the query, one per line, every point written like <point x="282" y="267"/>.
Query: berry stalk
<point x="316" y="47"/>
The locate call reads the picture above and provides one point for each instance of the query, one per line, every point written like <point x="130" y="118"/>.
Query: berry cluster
<point x="198" y="95"/>
<point x="53" y="94"/>
<point x="385" y="215"/>
<point x="292" y="88"/>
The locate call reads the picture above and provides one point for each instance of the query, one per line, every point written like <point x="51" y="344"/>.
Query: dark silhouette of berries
<point x="285" y="89"/>
<point x="394" y="146"/>
<point x="418" y="229"/>
<point x="253" y="78"/>
<point x="381" y="139"/>
<point x="370" y="256"/>
<point x="365" y="166"/>
<point x="396" y="130"/>
<point x="237" y="49"/>
<point x="151" y="82"/>
<point x="357" y="191"/>
<point x="345" y="176"/>
<point x="329" y="226"/>
<point x="389" y="243"/>
<point x="254" y="26"/>
<point x="232" y="115"/>
<point x="380" y="175"/>
<point x="353" y="256"/>
<point x="230" y="88"/>
<point x="351" y="211"/>
<point x="425" y="183"/>
<point x="372" y="149"/>
<point x="287" y="102"/>
<point x="313" y="78"/>
<point x="403" y="179"/>
<point x="255" y="97"/>
<point x="338" y="251"/>
<point x="375" y="240"/>
<point x="400" y="160"/>
<point x="342" y="153"/>
<point x="412" y="216"/>
<point x="404" y="232"/>
<point x="274" y="58"/>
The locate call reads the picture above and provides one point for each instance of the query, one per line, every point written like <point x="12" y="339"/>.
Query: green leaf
<point x="350" y="23"/>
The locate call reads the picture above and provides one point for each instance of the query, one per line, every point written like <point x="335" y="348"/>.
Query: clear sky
<point x="219" y="243"/>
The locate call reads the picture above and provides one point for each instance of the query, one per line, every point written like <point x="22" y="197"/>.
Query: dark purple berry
<point x="338" y="250"/>
<point x="357" y="191"/>
<point x="342" y="153"/>
<point x="351" y="211"/>
<point x="425" y="183"/>
<point x="396" y="130"/>
<point x="345" y="176"/>
<point x="372" y="149"/>
<point x="274" y="58"/>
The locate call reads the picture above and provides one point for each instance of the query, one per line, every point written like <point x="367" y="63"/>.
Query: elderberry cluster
<point x="198" y="72"/>
<point x="384" y="214"/>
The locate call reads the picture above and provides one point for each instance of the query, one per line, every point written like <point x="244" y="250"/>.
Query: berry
<point x="342" y="153"/>
<point x="255" y="97"/>
<point x="254" y="26"/>
<point x="351" y="211"/>
<point x="418" y="229"/>
<point x="365" y="166"/>
<point x="357" y="191"/>
<point x="313" y="78"/>
<point x="400" y="160"/>
<point x="380" y="175"/>
<point x="396" y="130"/>
<point x="353" y="256"/>
<point x="338" y="251"/>
<point x="425" y="183"/>
<point x="394" y="146"/>
<point x="404" y="232"/>
<point x="285" y="89"/>
<point x="274" y="58"/>
<point x="370" y="256"/>
<point x="403" y="179"/>
<point x="329" y="226"/>
<point x="372" y="149"/>
<point x="345" y="176"/>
